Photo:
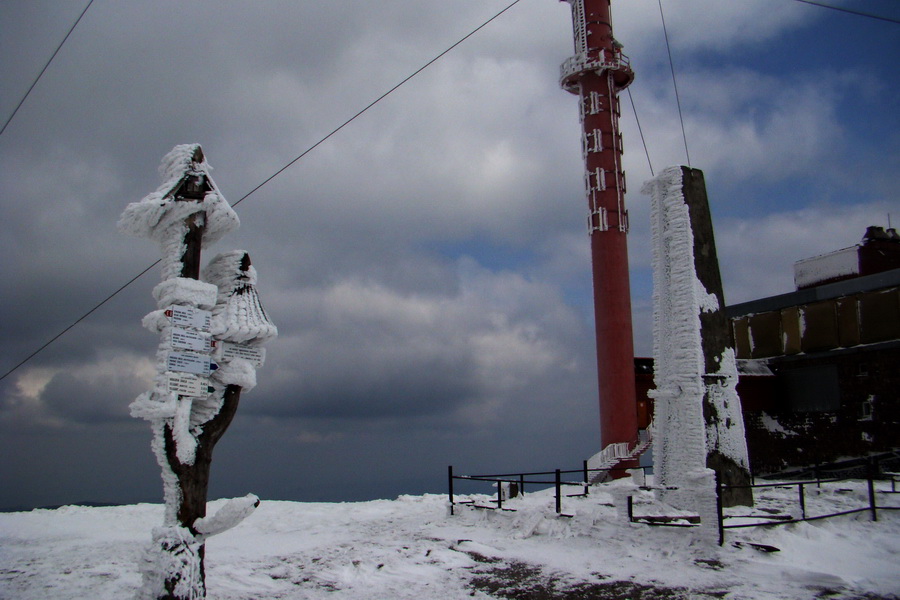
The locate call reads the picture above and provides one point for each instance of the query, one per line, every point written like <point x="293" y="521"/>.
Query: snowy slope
<point x="411" y="548"/>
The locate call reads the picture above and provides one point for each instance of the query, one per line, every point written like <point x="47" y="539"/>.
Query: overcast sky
<point x="428" y="266"/>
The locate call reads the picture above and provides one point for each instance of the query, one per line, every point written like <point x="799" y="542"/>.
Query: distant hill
<point x="10" y="509"/>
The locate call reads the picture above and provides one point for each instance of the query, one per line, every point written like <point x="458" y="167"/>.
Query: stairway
<point x="618" y="452"/>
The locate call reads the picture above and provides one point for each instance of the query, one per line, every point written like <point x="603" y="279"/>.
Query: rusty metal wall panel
<point x="790" y="330"/>
<point x="848" y="322"/>
<point x="741" y="327"/>
<point x="820" y="330"/>
<point x="879" y="316"/>
<point x="765" y="334"/>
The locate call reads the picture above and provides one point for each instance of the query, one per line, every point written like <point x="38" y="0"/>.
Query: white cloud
<point x="695" y="25"/>
<point x="757" y="255"/>
<point x="497" y="338"/>
<point x="743" y="126"/>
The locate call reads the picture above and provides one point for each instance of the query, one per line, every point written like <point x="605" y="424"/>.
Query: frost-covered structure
<point x="211" y="333"/>
<point x="186" y="198"/>
<point x="698" y="425"/>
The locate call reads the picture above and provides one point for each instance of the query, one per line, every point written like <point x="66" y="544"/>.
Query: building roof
<point x="828" y="291"/>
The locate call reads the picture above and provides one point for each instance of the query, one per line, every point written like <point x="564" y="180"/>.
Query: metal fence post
<point x="558" y="494"/>
<point x="450" y="478"/>
<point x="631" y="509"/>
<point x="802" y="501"/>
<point x="871" y="482"/>
<point x="499" y="494"/>
<point x="720" y="514"/>
<point x="586" y="482"/>
<point x="522" y="484"/>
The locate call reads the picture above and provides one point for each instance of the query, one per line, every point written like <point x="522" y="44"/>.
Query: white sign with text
<point x="185" y="384"/>
<point x="190" y="339"/>
<point x="190" y="362"/>
<point x="188" y="316"/>
<point x="230" y="351"/>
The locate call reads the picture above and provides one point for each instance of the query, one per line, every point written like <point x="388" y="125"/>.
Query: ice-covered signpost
<point x="211" y="336"/>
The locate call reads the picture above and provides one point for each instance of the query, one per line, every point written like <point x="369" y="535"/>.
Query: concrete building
<point x="820" y="366"/>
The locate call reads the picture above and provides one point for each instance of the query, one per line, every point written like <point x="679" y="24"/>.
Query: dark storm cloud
<point x="93" y="399"/>
<point x="358" y="349"/>
<point x="357" y="378"/>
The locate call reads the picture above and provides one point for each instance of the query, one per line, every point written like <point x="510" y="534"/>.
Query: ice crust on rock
<point x="727" y="434"/>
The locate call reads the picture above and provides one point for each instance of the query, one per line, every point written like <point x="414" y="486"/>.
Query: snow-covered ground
<point x="412" y="548"/>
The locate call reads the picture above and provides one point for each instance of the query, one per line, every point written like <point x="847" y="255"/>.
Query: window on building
<point x="865" y="410"/>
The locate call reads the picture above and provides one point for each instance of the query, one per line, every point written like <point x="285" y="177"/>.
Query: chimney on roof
<point x="874" y="232"/>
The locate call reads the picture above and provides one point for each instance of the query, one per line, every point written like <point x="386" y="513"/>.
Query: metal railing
<point x="582" y="62"/>
<point x="769" y="520"/>
<point x="540" y="478"/>
<point x="503" y="481"/>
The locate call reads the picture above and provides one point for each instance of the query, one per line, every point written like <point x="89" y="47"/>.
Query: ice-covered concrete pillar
<point x="698" y="424"/>
<point x="726" y="444"/>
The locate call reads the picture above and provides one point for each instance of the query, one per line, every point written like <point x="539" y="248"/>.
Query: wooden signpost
<point x="196" y="395"/>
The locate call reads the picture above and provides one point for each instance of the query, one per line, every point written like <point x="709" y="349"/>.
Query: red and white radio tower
<point x="596" y="74"/>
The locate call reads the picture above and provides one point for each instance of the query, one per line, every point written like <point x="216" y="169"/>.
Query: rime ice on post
<point x="698" y="424"/>
<point x="211" y="335"/>
<point x="238" y="316"/>
<point x="187" y="201"/>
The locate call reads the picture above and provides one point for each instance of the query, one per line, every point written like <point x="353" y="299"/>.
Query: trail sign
<point x="190" y="339"/>
<point x="230" y="351"/>
<point x="185" y="384"/>
<point x="188" y="316"/>
<point x="190" y="362"/>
